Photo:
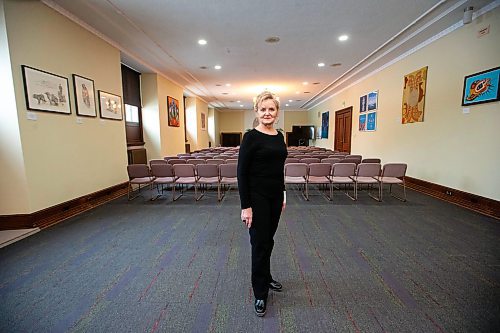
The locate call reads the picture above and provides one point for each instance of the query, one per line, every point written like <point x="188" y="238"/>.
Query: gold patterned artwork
<point x="414" y="96"/>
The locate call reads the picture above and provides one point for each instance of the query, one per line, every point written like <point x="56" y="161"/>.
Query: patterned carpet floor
<point x="184" y="266"/>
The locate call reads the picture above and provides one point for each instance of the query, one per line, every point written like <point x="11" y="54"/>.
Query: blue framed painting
<point x="373" y="101"/>
<point x="325" y="120"/>
<point x="482" y="87"/>
<point x="371" y="121"/>
<point x="362" y="103"/>
<point x="362" y="122"/>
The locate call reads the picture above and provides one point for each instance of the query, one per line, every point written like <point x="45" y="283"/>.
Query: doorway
<point x="343" y="130"/>
<point x="230" y="139"/>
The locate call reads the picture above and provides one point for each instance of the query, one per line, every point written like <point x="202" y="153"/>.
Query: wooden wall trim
<point x="55" y="214"/>
<point x="467" y="200"/>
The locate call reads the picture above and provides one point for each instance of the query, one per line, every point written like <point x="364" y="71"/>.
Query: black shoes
<point x="260" y="307"/>
<point x="275" y="285"/>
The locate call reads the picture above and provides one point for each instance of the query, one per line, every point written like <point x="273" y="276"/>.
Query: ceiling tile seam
<point x="360" y="67"/>
<point x="327" y="89"/>
<point x="113" y="43"/>
<point x="430" y="40"/>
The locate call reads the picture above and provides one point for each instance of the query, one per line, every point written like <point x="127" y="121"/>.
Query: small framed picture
<point x="481" y="87"/>
<point x="110" y="106"/>
<point x="372" y="101"/>
<point x="371" y="121"/>
<point x="203" y="121"/>
<point x="84" y="96"/>
<point x="362" y="122"/>
<point x="45" y="91"/>
<point x="173" y="112"/>
<point x="362" y="103"/>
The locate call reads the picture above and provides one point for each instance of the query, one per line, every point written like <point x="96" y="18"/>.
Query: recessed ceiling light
<point x="343" y="38"/>
<point x="287" y="105"/>
<point x="307" y="92"/>
<point x="273" y="39"/>
<point x="336" y="64"/>
<point x="217" y="66"/>
<point x="290" y="100"/>
<point x="228" y="84"/>
<point x="321" y="64"/>
<point x="202" y="42"/>
<point x="241" y="105"/>
<point x="238" y="101"/>
<point x="305" y="83"/>
<point x="203" y="67"/>
<point x="297" y="92"/>
<point x="315" y="83"/>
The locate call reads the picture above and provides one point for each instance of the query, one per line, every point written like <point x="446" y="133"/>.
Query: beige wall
<point x="449" y="148"/>
<point x="232" y="121"/>
<point x="172" y="138"/>
<point x="202" y="140"/>
<point x="213" y="127"/>
<point x="296" y="118"/>
<point x="64" y="159"/>
<point x="151" y="116"/>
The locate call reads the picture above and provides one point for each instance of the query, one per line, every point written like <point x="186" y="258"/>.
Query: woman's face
<point x="267" y="112"/>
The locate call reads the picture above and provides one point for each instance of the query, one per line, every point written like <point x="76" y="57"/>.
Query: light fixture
<point x="228" y="84"/>
<point x="297" y="92"/>
<point x="202" y="42"/>
<point x="238" y="101"/>
<point x="241" y="105"/>
<point x="343" y="38"/>
<point x="305" y="83"/>
<point x="287" y="105"/>
<point x="217" y="66"/>
<point x="321" y="64"/>
<point x="468" y="15"/>
<point x="273" y="39"/>
<point x="290" y="100"/>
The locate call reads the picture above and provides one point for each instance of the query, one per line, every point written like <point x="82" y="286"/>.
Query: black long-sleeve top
<point x="261" y="160"/>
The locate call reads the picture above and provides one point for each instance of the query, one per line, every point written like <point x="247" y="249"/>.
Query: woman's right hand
<point x="246" y="216"/>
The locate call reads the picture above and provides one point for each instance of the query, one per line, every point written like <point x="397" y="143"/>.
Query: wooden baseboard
<point x="55" y="214"/>
<point x="467" y="200"/>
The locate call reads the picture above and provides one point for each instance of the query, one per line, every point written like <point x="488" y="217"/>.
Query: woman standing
<point x="261" y="185"/>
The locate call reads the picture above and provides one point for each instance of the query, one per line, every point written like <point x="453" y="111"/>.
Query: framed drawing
<point x="414" y="96"/>
<point x="362" y="122"/>
<point x="84" y="96"/>
<point x="325" y="122"/>
<point x="362" y="103"/>
<point x="372" y="101"/>
<point x="110" y="106"/>
<point x="173" y="112"/>
<point x="481" y="87"/>
<point x="203" y="121"/>
<point x="371" y="121"/>
<point x="45" y="91"/>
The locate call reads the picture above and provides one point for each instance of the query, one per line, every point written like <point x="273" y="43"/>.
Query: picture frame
<point x="325" y="123"/>
<point x="362" y="103"/>
<point x="84" y="96"/>
<point x="371" y="122"/>
<point x="372" y="101"/>
<point x="110" y="105"/>
<point x="203" y="121"/>
<point x="482" y="87"/>
<point x="45" y="91"/>
<point x="362" y="122"/>
<point x="173" y="112"/>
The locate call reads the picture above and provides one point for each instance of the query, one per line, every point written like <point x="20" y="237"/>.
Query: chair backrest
<point x="330" y="160"/>
<point x="343" y="169"/>
<point x="354" y="156"/>
<point x="370" y="160"/>
<point x="228" y="170"/>
<point x="184" y="170"/>
<point x="309" y="160"/>
<point x="195" y="161"/>
<point x="296" y="170"/>
<point x="162" y="170"/>
<point x="368" y="170"/>
<point x="216" y="161"/>
<point x="167" y="158"/>
<point x="231" y="160"/>
<point x="155" y="161"/>
<point x="137" y="171"/>
<point x="291" y="160"/>
<point x="207" y="170"/>
<point x="176" y="161"/>
<point x="356" y="160"/>
<point x="394" y="170"/>
<point x="319" y="169"/>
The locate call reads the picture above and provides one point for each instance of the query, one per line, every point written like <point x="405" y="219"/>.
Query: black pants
<point x="265" y="217"/>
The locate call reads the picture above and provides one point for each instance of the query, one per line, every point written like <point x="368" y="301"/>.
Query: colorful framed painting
<point x="325" y="121"/>
<point x="371" y="121"/>
<point x="362" y="122"/>
<point x="362" y="103"/>
<point x="110" y="105"/>
<point x="45" y="91"/>
<point x="84" y="96"/>
<point x="414" y="96"/>
<point x="482" y="87"/>
<point x="173" y="112"/>
<point x="372" y="102"/>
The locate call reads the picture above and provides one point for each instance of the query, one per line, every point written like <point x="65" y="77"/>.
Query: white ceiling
<point x="161" y="36"/>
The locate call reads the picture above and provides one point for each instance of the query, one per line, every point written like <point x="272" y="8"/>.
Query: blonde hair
<point x="263" y="96"/>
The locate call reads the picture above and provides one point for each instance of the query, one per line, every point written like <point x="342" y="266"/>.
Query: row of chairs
<point x="194" y="161"/>
<point x="332" y="160"/>
<point x="199" y="175"/>
<point x="347" y="174"/>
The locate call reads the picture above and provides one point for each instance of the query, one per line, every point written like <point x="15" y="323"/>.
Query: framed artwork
<point x="173" y="112"/>
<point x="481" y="87"/>
<point x="414" y="96"/>
<point x="325" y="120"/>
<point x="362" y="103"/>
<point x="84" y="96"/>
<point x="203" y="121"/>
<point x="362" y="122"/>
<point x="110" y="106"/>
<point x="45" y="91"/>
<point x="371" y="121"/>
<point x="372" y="103"/>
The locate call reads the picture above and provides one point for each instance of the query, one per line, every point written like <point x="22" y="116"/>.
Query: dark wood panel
<point x="63" y="211"/>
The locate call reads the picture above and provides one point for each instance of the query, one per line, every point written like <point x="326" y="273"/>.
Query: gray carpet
<point x="162" y="266"/>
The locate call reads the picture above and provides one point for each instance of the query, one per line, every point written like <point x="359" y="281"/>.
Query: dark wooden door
<point x="230" y="139"/>
<point x="343" y="130"/>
